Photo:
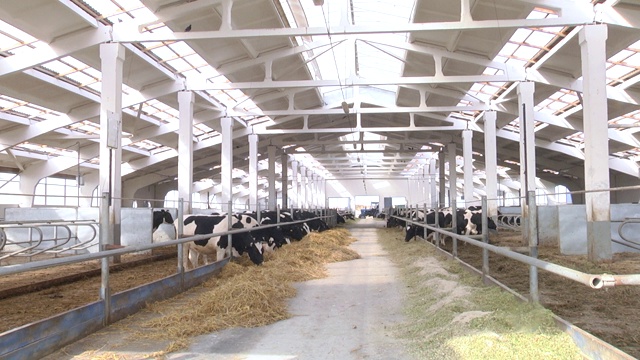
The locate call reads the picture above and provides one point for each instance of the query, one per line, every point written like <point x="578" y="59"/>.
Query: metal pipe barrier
<point x="625" y="222"/>
<point x="595" y="281"/>
<point x="58" y="247"/>
<point x="37" y="265"/>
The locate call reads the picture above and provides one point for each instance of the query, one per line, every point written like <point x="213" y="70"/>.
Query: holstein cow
<point x="208" y="224"/>
<point x="272" y="237"/>
<point x="312" y="225"/>
<point x="163" y="228"/>
<point x="412" y="229"/>
<point x="473" y="221"/>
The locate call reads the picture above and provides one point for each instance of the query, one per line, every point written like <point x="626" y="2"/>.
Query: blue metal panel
<point x="129" y="302"/>
<point x="199" y="275"/>
<point x="38" y="339"/>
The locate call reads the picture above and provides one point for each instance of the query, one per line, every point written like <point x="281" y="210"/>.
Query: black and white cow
<point x="313" y="224"/>
<point x="163" y="228"/>
<point x="472" y="221"/>
<point x="208" y="224"/>
<point x="271" y="237"/>
<point x="160" y="217"/>
<point x="412" y="229"/>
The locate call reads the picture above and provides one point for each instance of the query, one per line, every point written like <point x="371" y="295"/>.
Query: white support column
<point x="491" y="163"/>
<point x="527" y="150"/>
<point x="112" y="60"/>
<point x="527" y="139"/>
<point x="303" y="187"/>
<point x="453" y="175"/>
<point x="308" y="192"/>
<point x="467" y="153"/>
<point x="284" y="159"/>
<point x="294" y="184"/>
<point x="273" y="195"/>
<point x="185" y="149"/>
<point x="253" y="172"/>
<point x="441" y="173"/>
<point x="593" y="39"/>
<point x="226" y="162"/>
<point x="432" y="183"/>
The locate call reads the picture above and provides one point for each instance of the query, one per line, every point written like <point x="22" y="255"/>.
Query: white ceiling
<point x="413" y="73"/>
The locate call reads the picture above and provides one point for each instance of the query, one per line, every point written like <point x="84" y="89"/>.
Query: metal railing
<point x="37" y="245"/>
<point x="595" y="281"/>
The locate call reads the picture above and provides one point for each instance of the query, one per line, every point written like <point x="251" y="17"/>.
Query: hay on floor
<point x="245" y="295"/>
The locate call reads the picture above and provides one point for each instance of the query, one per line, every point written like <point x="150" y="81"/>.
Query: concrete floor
<point x="350" y="314"/>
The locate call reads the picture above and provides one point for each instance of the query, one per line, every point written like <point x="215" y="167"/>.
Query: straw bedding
<point x="244" y="295"/>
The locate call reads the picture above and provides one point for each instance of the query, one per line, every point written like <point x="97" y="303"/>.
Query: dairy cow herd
<point x="254" y="243"/>
<point x="263" y="239"/>
<point x="468" y="221"/>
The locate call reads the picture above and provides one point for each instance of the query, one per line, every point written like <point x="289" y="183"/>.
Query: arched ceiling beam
<point x="572" y="13"/>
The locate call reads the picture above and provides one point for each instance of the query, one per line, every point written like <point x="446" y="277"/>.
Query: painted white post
<point x="303" y="187"/>
<point x="273" y="195"/>
<point x="527" y="150"/>
<point x="284" y="159"/>
<point x="112" y="60"/>
<point x="186" y="100"/>
<point x="593" y="39"/>
<point x="294" y="184"/>
<point x="253" y="172"/>
<point x="527" y="138"/>
<point x="432" y="182"/>
<point x="453" y="175"/>
<point x="467" y="153"/>
<point x="441" y="173"/>
<point x="226" y="163"/>
<point x="491" y="163"/>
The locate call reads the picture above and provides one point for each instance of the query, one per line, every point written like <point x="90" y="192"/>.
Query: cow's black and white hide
<point x="208" y="224"/>
<point x="160" y="217"/>
<point x="163" y="228"/>
<point x="340" y="219"/>
<point x="271" y="237"/>
<point x="413" y="230"/>
<point x="313" y="224"/>
<point x="472" y="221"/>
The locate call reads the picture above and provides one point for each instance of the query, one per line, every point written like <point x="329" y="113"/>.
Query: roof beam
<point x="61" y="47"/>
<point x="414" y="80"/>
<point x="580" y="14"/>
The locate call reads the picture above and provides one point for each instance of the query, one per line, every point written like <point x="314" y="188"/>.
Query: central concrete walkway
<point x="349" y="315"/>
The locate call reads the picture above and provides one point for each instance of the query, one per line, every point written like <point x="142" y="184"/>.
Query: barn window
<point x="55" y="191"/>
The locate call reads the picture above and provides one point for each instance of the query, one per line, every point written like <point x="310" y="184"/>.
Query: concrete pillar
<point x="285" y="180"/>
<point x="294" y="184"/>
<point x="253" y="172"/>
<point x="303" y="187"/>
<point x="273" y="194"/>
<point x="226" y="162"/>
<point x="441" y="173"/>
<point x="527" y="138"/>
<point x="112" y="60"/>
<point x="491" y="163"/>
<point x="185" y="149"/>
<point x="453" y="175"/>
<point x="432" y="183"/>
<point x="593" y="39"/>
<point x="467" y="153"/>
<point x="527" y="150"/>
<point x="308" y="193"/>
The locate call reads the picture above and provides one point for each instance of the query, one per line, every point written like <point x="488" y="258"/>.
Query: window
<point x="54" y="191"/>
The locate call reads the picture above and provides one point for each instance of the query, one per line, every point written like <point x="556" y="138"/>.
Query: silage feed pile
<point x="245" y="295"/>
<point x="451" y="314"/>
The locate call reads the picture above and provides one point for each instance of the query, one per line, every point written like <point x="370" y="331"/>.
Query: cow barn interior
<point x="111" y="110"/>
